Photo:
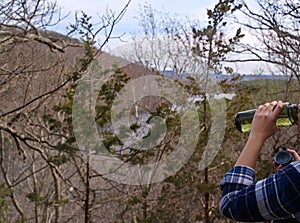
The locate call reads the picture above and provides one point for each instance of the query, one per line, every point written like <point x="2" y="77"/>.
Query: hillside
<point x="44" y="176"/>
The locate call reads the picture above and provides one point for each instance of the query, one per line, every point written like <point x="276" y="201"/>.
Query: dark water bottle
<point x="286" y="117"/>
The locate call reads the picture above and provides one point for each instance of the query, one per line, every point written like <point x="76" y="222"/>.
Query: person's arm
<point x="276" y="197"/>
<point x="263" y="126"/>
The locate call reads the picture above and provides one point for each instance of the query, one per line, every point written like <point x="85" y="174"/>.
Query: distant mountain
<point x="246" y="77"/>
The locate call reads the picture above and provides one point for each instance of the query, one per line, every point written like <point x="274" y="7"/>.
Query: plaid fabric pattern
<point x="275" y="198"/>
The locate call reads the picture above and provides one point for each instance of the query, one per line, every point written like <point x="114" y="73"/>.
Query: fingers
<point x="276" y="166"/>
<point x="279" y="167"/>
<point x="278" y="108"/>
<point x="260" y="108"/>
<point x="294" y="154"/>
<point x="274" y="106"/>
<point x="264" y="121"/>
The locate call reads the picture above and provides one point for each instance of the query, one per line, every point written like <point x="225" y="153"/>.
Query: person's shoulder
<point x="290" y="172"/>
<point x="296" y="165"/>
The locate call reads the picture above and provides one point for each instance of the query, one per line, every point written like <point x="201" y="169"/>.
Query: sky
<point x="185" y="7"/>
<point x="191" y="9"/>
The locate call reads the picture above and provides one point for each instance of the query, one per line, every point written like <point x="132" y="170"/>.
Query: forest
<point x="88" y="136"/>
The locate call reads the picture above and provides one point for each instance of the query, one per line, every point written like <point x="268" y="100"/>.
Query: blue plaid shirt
<point x="274" y="198"/>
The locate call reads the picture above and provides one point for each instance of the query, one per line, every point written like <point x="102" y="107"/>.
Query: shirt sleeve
<point x="276" y="197"/>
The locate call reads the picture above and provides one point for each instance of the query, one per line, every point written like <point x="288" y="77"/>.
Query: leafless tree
<point x="44" y="180"/>
<point x="273" y="31"/>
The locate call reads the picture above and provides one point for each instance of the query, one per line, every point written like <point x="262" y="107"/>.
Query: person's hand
<point x="295" y="155"/>
<point x="264" y="121"/>
<point x="277" y="167"/>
